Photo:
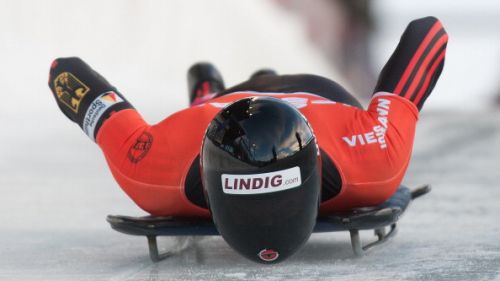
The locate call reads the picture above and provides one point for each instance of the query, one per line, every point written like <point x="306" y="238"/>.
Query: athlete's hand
<point x="74" y="85"/>
<point x="83" y="95"/>
<point x="416" y="64"/>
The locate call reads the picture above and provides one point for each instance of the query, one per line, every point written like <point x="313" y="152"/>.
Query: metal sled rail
<point x="375" y="218"/>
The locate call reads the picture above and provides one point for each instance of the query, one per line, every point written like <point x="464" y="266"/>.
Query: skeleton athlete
<point x="265" y="153"/>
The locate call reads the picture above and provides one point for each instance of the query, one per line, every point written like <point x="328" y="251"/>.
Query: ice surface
<point x="55" y="198"/>
<point x="56" y="189"/>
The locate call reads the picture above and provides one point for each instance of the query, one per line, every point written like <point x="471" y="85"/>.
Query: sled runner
<point x="377" y="218"/>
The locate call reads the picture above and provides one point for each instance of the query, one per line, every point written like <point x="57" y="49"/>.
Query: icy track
<point x="55" y="188"/>
<point x="53" y="221"/>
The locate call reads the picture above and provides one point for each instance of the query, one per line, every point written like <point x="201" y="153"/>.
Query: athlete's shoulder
<point x="299" y="100"/>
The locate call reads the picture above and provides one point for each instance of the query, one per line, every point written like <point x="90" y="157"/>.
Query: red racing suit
<point x="371" y="148"/>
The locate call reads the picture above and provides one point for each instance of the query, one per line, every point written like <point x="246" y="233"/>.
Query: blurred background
<point x="55" y="187"/>
<point x="145" y="47"/>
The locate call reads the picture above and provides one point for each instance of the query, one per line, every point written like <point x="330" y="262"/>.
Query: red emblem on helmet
<point x="268" y="255"/>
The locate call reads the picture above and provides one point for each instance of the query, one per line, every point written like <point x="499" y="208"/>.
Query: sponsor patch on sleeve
<point x="261" y="183"/>
<point x="97" y="109"/>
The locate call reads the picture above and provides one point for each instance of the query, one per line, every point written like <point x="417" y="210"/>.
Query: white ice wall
<point x="144" y="47"/>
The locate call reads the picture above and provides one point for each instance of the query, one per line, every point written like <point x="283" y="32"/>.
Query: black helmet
<point x="261" y="175"/>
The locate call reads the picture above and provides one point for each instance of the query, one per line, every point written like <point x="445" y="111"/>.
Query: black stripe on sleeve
<point x="418" y="65"/>
<point x="411" y="39"/>
<point x="435" y="75"/>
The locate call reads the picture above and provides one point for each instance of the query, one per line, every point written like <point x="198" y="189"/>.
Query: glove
<point x="83" y="95"/>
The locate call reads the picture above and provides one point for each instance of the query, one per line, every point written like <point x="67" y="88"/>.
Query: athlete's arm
<point x="378" y="142"/>
<point x="147" y="164"/>
<point x="87" y="99"/>
<point x="416" y="64"/>
<point x="83" y="95"/>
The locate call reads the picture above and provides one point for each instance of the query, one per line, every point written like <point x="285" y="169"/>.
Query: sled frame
<point x="382" y="220"/>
